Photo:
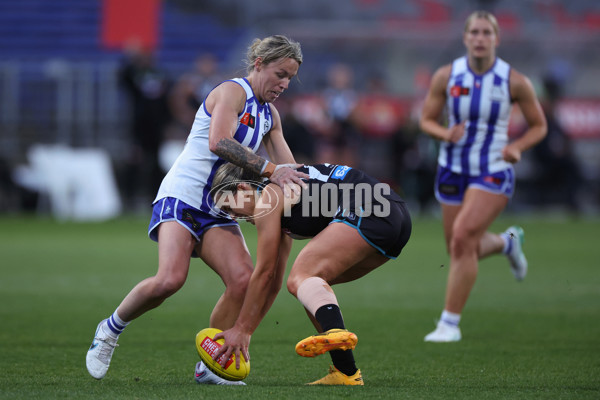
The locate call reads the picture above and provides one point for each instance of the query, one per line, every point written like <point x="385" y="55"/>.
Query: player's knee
<point x="292" y="286"/>
<point x="294" y="281"/>
<point x="463" y="240"/>
<point x="459" y="244"/>
<point x="163" y="288"/>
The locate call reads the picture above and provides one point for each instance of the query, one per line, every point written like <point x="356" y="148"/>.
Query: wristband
<point x="268" y="169"/>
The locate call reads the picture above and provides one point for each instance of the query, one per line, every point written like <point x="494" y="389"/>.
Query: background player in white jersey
<point x="475" y="177"/>
<point x="236" y="114"/>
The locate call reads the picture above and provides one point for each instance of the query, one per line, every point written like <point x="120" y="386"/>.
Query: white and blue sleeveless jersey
<point x="483" y="101"/>
<point x="190" y="177"/>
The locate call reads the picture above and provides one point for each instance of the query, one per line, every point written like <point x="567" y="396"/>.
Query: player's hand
<point x="288" y="178"/>
<point x="456" y="132"/>
<point x="236" y="342"/>
<point x="511" y="153"/>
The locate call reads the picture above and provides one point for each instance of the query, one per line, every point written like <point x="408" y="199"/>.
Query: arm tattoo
<point x="232" y="151"/>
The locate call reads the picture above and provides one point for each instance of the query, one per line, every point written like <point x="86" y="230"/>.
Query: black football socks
<point x="330" y="317"/>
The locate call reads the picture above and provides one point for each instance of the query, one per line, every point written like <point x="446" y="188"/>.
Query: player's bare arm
<point x="433" y="107"/>
<point x="523" y="94"/>
<point x="225" y="103"/>
<point x="231" y="150"/>
<point x="285" y="246"/>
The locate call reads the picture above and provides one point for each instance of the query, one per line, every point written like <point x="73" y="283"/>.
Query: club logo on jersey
<point x="340" y="172"/>
<point x="456" y="91"/>
<point x="248" y="120"/>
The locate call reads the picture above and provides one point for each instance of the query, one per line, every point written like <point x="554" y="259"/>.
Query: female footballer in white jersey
<point x="475" y="177"/>
<point x="236" y="114"/>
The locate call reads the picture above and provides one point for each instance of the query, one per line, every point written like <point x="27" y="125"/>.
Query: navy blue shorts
<point x="450" y="187"/>
<point x="194" y="220"/>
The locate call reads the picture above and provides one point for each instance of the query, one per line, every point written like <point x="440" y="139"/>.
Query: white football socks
<point x="449" y="318"/>
<point x="114" y="325"/>
<point x="507" y="243"/>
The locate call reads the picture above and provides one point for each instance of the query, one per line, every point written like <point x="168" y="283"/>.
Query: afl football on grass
<point x="207" y="347"/>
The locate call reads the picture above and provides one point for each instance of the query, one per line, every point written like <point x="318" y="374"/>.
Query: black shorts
<point x="388" y="234"/>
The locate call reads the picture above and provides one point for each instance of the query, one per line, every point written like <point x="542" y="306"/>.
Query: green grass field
<point x="537" y="339"/>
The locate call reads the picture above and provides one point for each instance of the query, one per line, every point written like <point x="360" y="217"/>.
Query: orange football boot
<point x="336" y="378"/>
<point x="333" y="339"/>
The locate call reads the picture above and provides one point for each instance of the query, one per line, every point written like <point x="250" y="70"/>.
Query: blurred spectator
<point x="299" y="137"/>
<point x="147" y="86"/>
<point x="190" y="90"/>
<point x="419" y="162"/>
<point x="380" y="117"/>
<point x="338" y="143"/>
<point x="416" y="168"/>
<point x="554" y="158"/>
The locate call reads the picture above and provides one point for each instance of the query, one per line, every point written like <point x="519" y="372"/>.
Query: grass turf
<point x="539" y="338"/>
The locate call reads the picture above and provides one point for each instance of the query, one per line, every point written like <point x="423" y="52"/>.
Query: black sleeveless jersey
<point x="335" y="192"/>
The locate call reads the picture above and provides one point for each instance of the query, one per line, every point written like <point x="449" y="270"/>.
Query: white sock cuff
<point x="506" y="239"/>
<point x="118" y="320"/>
<point x="450" y="318"/>
<point x="314" y="292"/>
<point x="115" y="325"/>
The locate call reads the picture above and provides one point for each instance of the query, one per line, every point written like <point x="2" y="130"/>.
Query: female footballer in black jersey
<point x="356" y="224"/>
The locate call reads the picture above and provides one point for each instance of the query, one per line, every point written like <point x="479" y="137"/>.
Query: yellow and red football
<point x="207" y="347"/>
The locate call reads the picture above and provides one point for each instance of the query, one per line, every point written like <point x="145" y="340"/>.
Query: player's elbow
<point x="422" y="123"/>
<point x="213" y="145"/>
<point x="425" y="124"/>
<point x="268" y="279"/>
<point x="537" y="133"/>
<point x="275" y="286"/>
<point x="543" y="130"/>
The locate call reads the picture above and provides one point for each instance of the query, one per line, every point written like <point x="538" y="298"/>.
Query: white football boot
<point x="444" y="333"/>
<point x="98" y="356"/>
<point x="518" y="262"/>
<point x="205" y="376"/>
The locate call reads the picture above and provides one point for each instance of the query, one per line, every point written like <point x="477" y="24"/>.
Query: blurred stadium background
<point x="96" y="96"/>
